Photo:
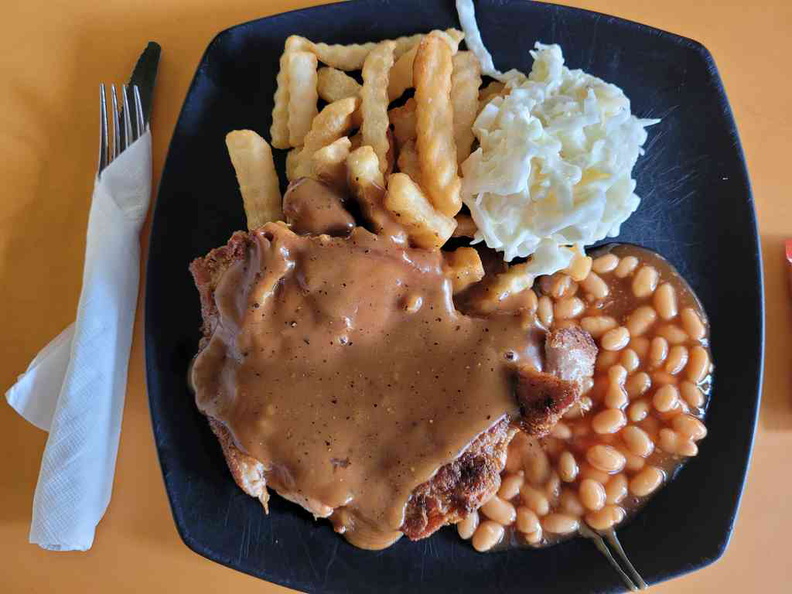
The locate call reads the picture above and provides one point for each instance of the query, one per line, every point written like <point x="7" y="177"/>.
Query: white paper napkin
<point x="75" y="386"/>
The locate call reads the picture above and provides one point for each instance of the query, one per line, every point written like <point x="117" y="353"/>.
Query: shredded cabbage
<point x="553" y="170"/>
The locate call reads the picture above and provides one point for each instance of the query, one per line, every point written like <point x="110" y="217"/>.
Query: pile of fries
<point x="400" y="163"/>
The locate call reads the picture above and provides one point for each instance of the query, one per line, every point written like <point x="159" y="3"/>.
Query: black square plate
<point x="697" y="211"/>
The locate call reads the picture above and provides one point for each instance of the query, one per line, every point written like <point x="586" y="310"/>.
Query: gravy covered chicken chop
<point x="336" y="370"/>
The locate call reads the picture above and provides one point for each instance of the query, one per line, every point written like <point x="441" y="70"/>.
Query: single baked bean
<point x="499" y="510"/>
<point x="689" y="426"/>
<point x="616" y="489"/>
<point x="668" y="440"/>
<point x="626" y="267"/>
<point x="605" y="518"/>
<point x="527" y="520"/>
<point x="606" y="263"/>
<point x="662" y="378"/>
<point x="665" y="301"/>
<point x="637" y="441"/>
<point x="487" y="535"/>
<point x="559" y="524"/>
<point x="677" y="359"/>
<point x="658" y="351"/>
<point x="640" y="344"/>
<point x="597" y="325"/>
<point x="685" y="447"/>
<point x="673" y="334"/>
<point x="587" y="471"/>
<point x="638" y="384"/>
<point x="537" y="466"/>
<point x="595" y="286"/>
<point x="617" y="375"/>
<point x="609" y="420"/>
<point x="692" y="323"/>
<point x="579" y="268"/>
<point x="646" y="481"/>
<point x="534" y="538"/>
<point x="698" y="365"/>
<point x="616" y="339"/>
<point x="645" y="282"/>
<point x="561" y="430"/>
<point x="567" y="467"/>
<point x="641" y="319"/>
<point x="510" y="486"/>
<point x="638" y="411"/>
<point x="592" y="494"/>
<point x="616" y="397"/>
<point x="666" y="398"/>
<point x="605" y="458"/>
<point x="535" y="499"/>
<point x="633" y="463"/>
<point x="468" y="526"/>
<point x="629" y="360"/>
<point x="568" y="308"/>
<point x="544" y="311"/>
<point x="553" y="486"/>
<point x="691" y="393"/>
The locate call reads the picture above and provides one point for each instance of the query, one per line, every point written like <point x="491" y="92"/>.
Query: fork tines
<point x="128" y="122"/>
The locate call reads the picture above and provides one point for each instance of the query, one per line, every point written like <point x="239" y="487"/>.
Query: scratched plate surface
<point x="696" y="211"/>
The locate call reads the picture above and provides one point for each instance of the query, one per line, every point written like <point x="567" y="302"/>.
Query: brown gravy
<point x="342" y="365"/>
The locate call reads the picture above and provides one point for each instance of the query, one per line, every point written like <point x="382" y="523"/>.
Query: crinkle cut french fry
<point x="333" y="122"/>
<point x="334" y="84"/>
<point x="351" y="57"/>
<point x="251" y="157"/>
<point x="465" y="83"/>
<point x="303" y="95"/>
<point x="434" y="125"/>
<point x="401" y="75"/>
<point x="486" y="94"/>
<point x="403" y="120"/>
<point x="374" y="100"/>
<point x="463" y="267"/>
<point x="329" y="164"/>
<point x="279" y="131"/>
<point x="466" y="226"/>
<point x="408" y="161"/>
<point x="368" y="186"/>
<point x="426" y="227"/>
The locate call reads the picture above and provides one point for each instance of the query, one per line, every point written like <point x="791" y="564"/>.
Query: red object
<point x="789" y="250"/>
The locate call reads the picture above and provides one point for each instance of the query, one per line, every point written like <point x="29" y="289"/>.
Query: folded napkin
<point x="75" y="386"/>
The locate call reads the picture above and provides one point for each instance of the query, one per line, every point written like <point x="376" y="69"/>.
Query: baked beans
<point x="499" y="510"/>
<point x="606" y="263"/>
<point x="665" y="301"/>
<point x="487" y="535"/>
<point x="616" y="339"/>
<point x="467" y="527"/>
<point x="639" y="418"/>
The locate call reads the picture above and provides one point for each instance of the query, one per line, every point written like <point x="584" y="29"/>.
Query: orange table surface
<point x="54" y="52"/>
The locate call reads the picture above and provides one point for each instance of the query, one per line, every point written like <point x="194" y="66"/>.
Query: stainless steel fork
<point x="125" y="129"/>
